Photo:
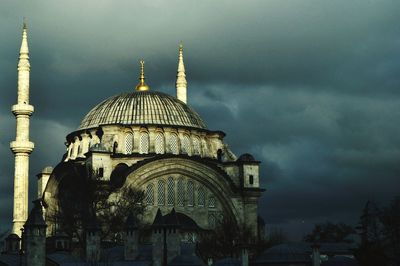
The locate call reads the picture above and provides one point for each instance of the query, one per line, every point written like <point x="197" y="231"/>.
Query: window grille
<point x="173" y="143"/>
<point x="211" y="202"/>
<point x="171" y="191"/>
<point x="201" y="197"/>
<point x="159" y="143"/>
<point x="190" y="237"/>
<point x="149" y="194"/>
<point x="211" y="220"/>
<point x="161" y="192"/>
<point x="196" y="146"/>
<point x="129" y="143"/>
<point x="181" y="193"/>
<point x="144" y="143"/>
<point x="190" y="191"/>
<point x="186" y="144"/>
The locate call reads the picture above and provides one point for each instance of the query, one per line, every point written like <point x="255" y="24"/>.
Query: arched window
<point x="149" y="194"/>
<point x="190" y="193"/>
<point x="71" y="145"/>
<point x="186" y="144"/>
<point x="181" y="193"/>
<point x="144" y="143"/>
<point x="211" y="202"/>
<point x="205" y="147"/>
<point x="201" y="197"/>
<point x="128" y="143"/>
<point x="196" y="146"/>
<point x="159" y="143"/>
<point x="161" y="192"/>
<point x="211" y="220"/>
<point x="171" y="191"/>
<point x="173" y="143"/>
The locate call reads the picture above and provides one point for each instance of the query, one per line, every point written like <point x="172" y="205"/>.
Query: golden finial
<point x="142" y="86"/>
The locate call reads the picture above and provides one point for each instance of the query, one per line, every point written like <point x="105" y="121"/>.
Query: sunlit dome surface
<point x="142" y="108"/>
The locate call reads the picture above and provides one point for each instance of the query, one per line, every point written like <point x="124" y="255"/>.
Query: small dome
<point x="340" y="261"/>
<point x="142" y="108"/>
<point x="285" y="253"/>
<point x="246" y="157"/>
<point x="228" y="262"/>
<point x="12" y="236"/>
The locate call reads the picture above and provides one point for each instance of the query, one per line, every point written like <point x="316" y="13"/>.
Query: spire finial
<point x="24" y="24"/>
<point x="142" y="86"/>
<point x="24" y="51"/>
<point x="181" y="83"/>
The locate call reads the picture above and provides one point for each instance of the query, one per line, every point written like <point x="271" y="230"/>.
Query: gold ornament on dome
<point x="142" y="86"/>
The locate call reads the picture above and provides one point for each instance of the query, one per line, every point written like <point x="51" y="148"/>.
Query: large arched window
<point x="144" y="143"/>
<point x="161" y="192"/>
<point x="190" y="193"/>
<point x="196" y="146"/>
<point x="159" y="143"/>
<point x="129" y="143"/>
<point x="149" y="194"/>
<point x="173" y="144"/>
<point x="171" y="191"/>
<point x="186" y="144"/>
<point x="201" y="197"/>
<point x="181" y="193"/>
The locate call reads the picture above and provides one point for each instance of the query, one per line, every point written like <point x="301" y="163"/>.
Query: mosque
<point x="142" y="139"/>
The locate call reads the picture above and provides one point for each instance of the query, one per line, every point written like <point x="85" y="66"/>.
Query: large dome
<point x="142" y="108"/>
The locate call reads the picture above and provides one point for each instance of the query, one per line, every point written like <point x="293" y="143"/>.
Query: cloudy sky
<point x="311" y="88"/>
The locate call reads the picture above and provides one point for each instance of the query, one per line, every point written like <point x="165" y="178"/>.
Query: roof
<point x="301" y="251"/>
<point x="228" y="262"/>
<point x="246" y="157"/>
<point x="340" y="261"/>
<point x="175" y="219"/>
<point x="142" y="108"/>
<point x="10" y="259"/>
<point x="293" y="252"/>
<point x="187" y="257"/>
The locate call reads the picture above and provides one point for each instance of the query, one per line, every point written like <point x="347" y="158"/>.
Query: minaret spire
<point x="22" y="147"/>
<point x="181" y="83"/>
<point x="142" y="86"/>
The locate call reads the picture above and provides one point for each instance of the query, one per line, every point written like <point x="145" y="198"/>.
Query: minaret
<point x="181" y="83"/>
<point x="22" y="147"/>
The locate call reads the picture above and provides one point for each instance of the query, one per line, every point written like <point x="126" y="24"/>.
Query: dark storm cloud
<point x="311" y="88"/>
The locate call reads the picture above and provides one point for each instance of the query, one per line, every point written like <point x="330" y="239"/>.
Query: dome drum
<point x="127" y="140"/>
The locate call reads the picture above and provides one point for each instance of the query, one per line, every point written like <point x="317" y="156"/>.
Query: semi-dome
<point x="142" y="108"/>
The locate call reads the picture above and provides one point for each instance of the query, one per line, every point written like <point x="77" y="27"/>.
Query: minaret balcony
<point x="24" y="146"/>
<point x="22" y="109"/>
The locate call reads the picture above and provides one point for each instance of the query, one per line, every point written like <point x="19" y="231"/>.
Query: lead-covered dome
<point x="142" y="108"/>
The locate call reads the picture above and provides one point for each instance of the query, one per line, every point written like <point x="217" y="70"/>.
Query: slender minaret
<point x="181" y="83"/>
<point x="22" y="147"/>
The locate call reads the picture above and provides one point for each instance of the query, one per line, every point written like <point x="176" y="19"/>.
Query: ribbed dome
<point x="142" y="108"/>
